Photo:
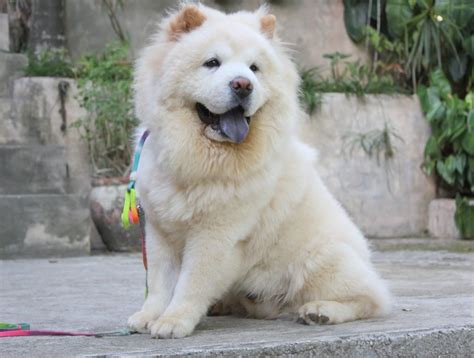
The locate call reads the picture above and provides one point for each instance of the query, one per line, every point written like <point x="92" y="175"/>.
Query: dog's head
<point x="220" y="83"/>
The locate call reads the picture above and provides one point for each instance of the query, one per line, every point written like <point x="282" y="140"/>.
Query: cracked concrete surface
<point x="433" y="314"/>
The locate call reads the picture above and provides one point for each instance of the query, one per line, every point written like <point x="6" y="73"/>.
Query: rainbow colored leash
<point x="133" y="213"/>
<point x="23" y="329"/>
<point x="130" y="214"/>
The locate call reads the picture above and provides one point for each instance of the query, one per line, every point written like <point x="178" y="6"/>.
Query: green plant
<point x="335" y="59"/>
<point x="350" y="77"/>
<point x="50" y="63"/>
<point x="309" y="94"/>
<point x="390" y="56"/>
<point x="391" y="51"/>
<point x="429" y="44"/>
<point x="449" y="151"/>
<point x="432" y="33"/>
<point x="356" y="78"/>
<point x="464" y="217"/>
<point x="105" y="91"/>
<point x="376" y="142"/>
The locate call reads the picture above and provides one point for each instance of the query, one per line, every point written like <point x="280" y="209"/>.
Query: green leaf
<point x="470" y="100"/>
<point x="468" y="142"/>
<point x="460" y="163"/>
<point x="423" y="97"/>
<point x="470" y="120"/>
<point x="439" y="80"/>
<point x="431" y="103"/>
<point x="457" y="67"/>
<point x="355" y="18"/>
<point x="398" y="13"/>
<point x="436" y="112"/>
<point x="459" y="11"/>
<point x="429" y="166"/>
<point x="468" y="45"/>
<point x="458" y="129"/>
<point x="437" y="108"/>
<point x="450" y="163"/>
<point x="432" y="148"/>
<point x="425" y="4"/>
<point x="446" y="170"/>
<point x="470" y="172"/>
<point x="464" y="217"/>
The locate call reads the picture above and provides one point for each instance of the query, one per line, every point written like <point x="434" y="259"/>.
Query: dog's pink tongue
<point x="234" y="125"/>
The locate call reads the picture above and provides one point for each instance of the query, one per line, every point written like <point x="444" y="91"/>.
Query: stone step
<point x="11" y="68"/>
<point x="8" y="131"/>
<point x="5" y="110"/>
<point x="441" y="224"/>
<point x="5" y="119"/>
<point x="4" y="33"/>
<point x="33" y="169"/>
<point x="44" y="225"/>
<point x="37" y="110"/>
<point x="36" y="119"/>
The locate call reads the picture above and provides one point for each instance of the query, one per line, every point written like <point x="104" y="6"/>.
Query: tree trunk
<point x="19" y="14"/>
<point x="47" y="25"/>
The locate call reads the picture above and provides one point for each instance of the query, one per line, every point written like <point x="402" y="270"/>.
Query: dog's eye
<point x="213" y="62"/>
<point x="254" y="68"/>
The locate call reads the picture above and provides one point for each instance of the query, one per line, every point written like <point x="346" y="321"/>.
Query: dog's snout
<point x="241" y="86"/>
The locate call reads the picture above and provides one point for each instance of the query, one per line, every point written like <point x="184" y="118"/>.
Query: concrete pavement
<point x="433" y="314"/>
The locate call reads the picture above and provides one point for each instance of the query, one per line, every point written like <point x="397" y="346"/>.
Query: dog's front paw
<point x="140" y="321"/>
<point x="172" y="327"/>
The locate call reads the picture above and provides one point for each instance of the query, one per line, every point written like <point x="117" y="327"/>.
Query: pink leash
<point x="23" y="329"/>
<point x="21" y="333"/>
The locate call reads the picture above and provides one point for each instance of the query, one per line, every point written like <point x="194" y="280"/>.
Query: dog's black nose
<point x="241" y="86"/>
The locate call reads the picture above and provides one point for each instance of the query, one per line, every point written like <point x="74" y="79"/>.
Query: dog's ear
<point x="267" y="25"/>
<point x="186" y="20"/>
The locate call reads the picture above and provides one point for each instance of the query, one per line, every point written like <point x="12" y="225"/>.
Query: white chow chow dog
<point x="237" y="219"/>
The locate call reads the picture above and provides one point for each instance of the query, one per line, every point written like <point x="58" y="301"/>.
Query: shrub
<point x="105" y="91"/>
<point x="429" y="44"/>
<point x="424" y="35"/>
<point x="450" y="149"/>
<point x="50" y="63"/>
<point x="351" y="77"/>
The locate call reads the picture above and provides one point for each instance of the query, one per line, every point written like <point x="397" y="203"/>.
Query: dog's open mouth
<point x="233" y="124"/>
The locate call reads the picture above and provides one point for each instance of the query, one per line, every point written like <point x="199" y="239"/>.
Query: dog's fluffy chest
<point x="179" y="208"/>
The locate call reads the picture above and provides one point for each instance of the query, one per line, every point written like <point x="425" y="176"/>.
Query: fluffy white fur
<point x="238" y="228"/>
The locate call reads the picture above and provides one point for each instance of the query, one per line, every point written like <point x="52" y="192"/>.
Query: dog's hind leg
<point x="333" y="312"/>
<point x="228" y="305"/>
<point x="346" y="289"/>
<point x="163" y="271"/>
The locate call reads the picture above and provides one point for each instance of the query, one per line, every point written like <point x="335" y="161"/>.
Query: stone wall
<point x="4" y="32"/>
<point x="311" y="28"/>
<point x="385" y="197"/>
<point x="38" y="120"/>
<point x="45" y="177"/>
